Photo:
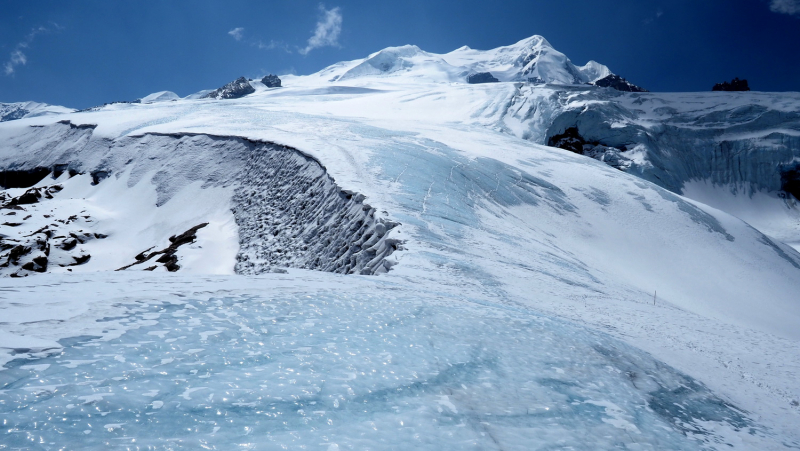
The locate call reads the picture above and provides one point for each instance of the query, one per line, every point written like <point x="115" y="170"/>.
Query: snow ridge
<point x="529" y="60"/>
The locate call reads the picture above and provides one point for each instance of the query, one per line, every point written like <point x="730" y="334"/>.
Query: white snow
<point x="502" y="239"/>
<point x="10" y="111"/>
<point x="161" y="96"/>
<point x="529" y="59"/>
<point x="778" y="217"/>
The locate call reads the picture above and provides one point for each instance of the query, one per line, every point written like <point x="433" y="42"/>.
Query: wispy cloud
<point x="237" y="33"/>
<point x="329" y="26"/>
<point x="17" y="56"/>
<point x="654" y="17"/>
<point x="270" y="45"/>
<point x="791" y="7"/>
<point x="326" y="34"/>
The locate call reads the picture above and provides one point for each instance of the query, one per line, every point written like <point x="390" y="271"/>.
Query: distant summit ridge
<point x="532" y="59"/>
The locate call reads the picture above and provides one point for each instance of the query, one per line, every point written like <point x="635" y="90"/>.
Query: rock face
<point x="233" y="90"/>
<point x="481" y="77"/>
<point x="271" y="81"/>
<point x="734" y="85"/>
<point x="620" y="84"/>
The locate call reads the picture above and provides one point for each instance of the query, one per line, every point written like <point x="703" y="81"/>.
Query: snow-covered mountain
<point x="19" y="110"/>
<point x="532" y="59"/>
<point x="520" y="295"/>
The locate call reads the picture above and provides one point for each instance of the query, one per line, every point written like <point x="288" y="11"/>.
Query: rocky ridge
<point x="233" y="90"/>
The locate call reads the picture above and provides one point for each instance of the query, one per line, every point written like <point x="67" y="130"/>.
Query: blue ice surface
<point x="336" y="370"/>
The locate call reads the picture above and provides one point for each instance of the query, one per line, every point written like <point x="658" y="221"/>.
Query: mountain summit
<point x="532" y="59"/>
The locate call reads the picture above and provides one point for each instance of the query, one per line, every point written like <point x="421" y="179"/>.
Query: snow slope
<point x="11" y="111"/>
<point x="491" y="236"/>
<point x="161" y="96"/>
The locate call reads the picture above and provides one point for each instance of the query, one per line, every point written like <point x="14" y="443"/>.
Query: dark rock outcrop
<point x="271" y="81"/>
<point x="572" y="140"/>
<point x="733" y="85"/>
<point x="481" y="77"/>
<point x="569" y="140"/>
<point x="614" y="81"/>
<point x="22" y="178"/>
<point x="790" y="180"/>
<point x="167" y="255"/>
<point x="56" y="244"/>
<point x="31" y="196"/>
<point x="233" y="90"/>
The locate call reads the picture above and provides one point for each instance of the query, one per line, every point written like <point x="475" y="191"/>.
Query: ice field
<point x="298" y="368"/>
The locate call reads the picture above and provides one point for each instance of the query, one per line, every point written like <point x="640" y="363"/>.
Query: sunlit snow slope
<point x="401" y="169"/>
<point x="13" y="111"/>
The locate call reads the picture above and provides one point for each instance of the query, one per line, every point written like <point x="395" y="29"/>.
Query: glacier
<point x="353" y="369"/>
<point x="395" y="258"/>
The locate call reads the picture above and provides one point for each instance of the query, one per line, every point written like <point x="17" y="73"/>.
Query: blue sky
<point x="85" y="53"/>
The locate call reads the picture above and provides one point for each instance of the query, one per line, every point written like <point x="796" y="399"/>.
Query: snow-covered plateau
<point x="384" y="256"/>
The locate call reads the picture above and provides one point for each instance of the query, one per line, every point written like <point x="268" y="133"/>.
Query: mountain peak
<point x="533" y="41"/>
<point x="532" y="59"/>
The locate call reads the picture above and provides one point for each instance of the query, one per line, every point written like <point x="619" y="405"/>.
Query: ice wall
<point x="747" y="140"/>
<point x="289" y="211"/>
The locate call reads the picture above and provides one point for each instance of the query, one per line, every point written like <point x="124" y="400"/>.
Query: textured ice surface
<point x="337" y="370"/>
<point x="291" y="213"/>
